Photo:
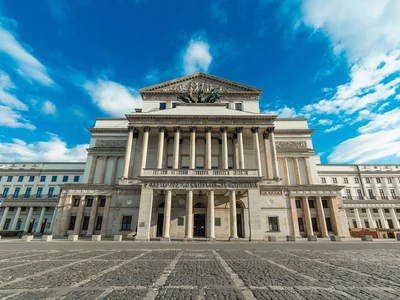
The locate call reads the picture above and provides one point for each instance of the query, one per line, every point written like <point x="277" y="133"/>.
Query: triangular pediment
<point x="200" y="82"/>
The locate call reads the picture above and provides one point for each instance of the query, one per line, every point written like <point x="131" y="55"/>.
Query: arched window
<point x="199" y="205"/>
<point x="161" y="205"/>
<point x="238" y="205"/>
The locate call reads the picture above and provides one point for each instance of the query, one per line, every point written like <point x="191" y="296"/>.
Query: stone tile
<point x="178" y="293"/>
<point x="121" y="255"/>
<point x="127" y="294"/>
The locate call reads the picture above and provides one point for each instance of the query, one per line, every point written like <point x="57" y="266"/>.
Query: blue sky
<point x="64" y="63"/>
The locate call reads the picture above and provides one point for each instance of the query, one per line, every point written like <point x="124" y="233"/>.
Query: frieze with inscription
<point x="270" y="193"/>
<point x="291" y="145"/>
<point x="200" y="185"/>
<point x="111" y="143"/>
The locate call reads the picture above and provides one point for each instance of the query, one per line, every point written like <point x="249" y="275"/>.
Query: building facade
<point x="199" y="160"/>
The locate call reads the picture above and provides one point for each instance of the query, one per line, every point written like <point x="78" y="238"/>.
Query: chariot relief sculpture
<point x="187" y="97"/>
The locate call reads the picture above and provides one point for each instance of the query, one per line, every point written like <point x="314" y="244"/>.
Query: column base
<point x="165" y="239"/>
<point x="211" y="239"/>
<point x="142" y="239"/>
<point x="233" y="239"/>
<point x="188" y="239"/>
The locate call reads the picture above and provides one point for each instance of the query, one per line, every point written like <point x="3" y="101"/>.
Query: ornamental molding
<point x="271" y="193"/>
<point x="290" y="145"/>
<point x="125" y="130"/>
<point x="294" y="131"/>
<point x="100" y="149"/>
<point x="201" y="185"/>
<point x="110" y="143"/>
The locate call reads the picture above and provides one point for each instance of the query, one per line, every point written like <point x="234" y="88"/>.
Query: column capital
<point x="265" y="135"/>
<point x="177" y="128"/>
<point x="192" y="129"/>
<point x="208" y="129"/>
<point x="146" y="129"/>
<point x="223" y="129"/>
<point x="254" y="129"/>
<point x="131" y="128"/>
<point x="271" y="129"/>
<point x="161" y="129"/>
<point x="239" y="129"/>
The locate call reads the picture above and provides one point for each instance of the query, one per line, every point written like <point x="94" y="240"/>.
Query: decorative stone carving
<point x="270" y="193"/>
<point x="111" y="143"/>
<point x="291" y="145"/>
<point x="200" y="185"/>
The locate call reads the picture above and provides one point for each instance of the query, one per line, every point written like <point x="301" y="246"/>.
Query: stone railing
<point x="199" y="172"/>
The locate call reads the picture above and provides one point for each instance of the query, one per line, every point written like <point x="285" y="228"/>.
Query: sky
<point x="64" y="63"/>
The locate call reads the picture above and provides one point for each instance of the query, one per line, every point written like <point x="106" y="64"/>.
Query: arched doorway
<point x="160" y="219"/>
<point x="199" y="220"/>
<point x="239" y="220"/>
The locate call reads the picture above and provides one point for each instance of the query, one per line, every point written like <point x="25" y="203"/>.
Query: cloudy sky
<point x="64" y="63"/>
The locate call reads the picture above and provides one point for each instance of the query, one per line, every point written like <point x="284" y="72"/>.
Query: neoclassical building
<point x="199" y="160"/>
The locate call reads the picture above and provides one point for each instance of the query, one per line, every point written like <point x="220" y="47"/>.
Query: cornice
<point x="108" y="130"/>
<point x="106" y="149"/>
<point x="294" y="131"/>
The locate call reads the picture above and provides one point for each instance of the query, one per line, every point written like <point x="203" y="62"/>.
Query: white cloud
<point x="285" y="112"/>
<point x="28" y="66"/>
<point x="5" y="97"/>
<point x="52" y="150"/>
<point x="334" y="128"/>
<point x="12" y="119"/>
<point x="324" y="122"/>
<point x="381" y="122"/>
<point x="49" y="108"/>
<point x="196" y="57"/>
<point x="112" y="97"/>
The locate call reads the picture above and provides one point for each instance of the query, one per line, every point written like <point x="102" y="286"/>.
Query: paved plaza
<point x="93" y="271"/>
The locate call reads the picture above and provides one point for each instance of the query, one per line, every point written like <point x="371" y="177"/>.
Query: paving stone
<point x="82" y="295"/>
<point x="177" y="293"/>
<point x="211" y="293"/>
<point x="157" y="255"/>
<point x="198" y="255"/>
<point x="33" y="295"/>
<point x="127" y="294"/>
<point x="121" y="255"/>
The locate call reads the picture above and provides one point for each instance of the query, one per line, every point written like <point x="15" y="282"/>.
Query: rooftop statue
<point x="187" y="97"/>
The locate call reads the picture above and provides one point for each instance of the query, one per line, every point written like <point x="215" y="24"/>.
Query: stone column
<point x="308" y="170"/>
<point x="133" y="155"/>
<point x="167" y="215"/>
<point x="297" y="170"/>
<point x="285" y="171"/>
<point x="224" y="147"/>
<point x="268" y="158"/>
<point x="28" y="219"/>
<point x="383" y="219"/>
<point x="3" y="219"/>
<point x="114" y="170"/>
<point x="321" y="218"/>
<point x="358" y="220"/>
<point x="307" y="217"/>
<point x="79" y="216"/>
<point x="370" y="218"/>
<point x="232" y="214"/>
<point x="208" y="148"/>
<point x="106" y="212"/>
<point x="211" y="216"/>
<point x="177" y="130"/>
<point x="394" y="218"/>
<point x="145" y="145"/>
<point x="239" y="132"/>
<point x="274" y="157"/>
<point x="92" y="169"/>
<point x="53" y="218"/>
<point x="39" y="227"/>
<point x="128" y="151"/>
<point x="256" y="145"/>
<point x="236" y="151"/>
<point x="15" y="221"/>
<point x="189" y="215"/>
<point x="160" y="150"/>
<point x="144" y="217"/>
<point x="92" y="219"/>
<point x="103" y="171"/>
<point x="192" y="165"/>
<point x="295" y="221"/>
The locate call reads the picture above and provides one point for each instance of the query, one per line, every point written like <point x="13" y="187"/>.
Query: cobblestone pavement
<point x="200" y="274"/>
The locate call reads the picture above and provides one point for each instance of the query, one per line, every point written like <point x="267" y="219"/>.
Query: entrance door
<point x="239" y="225"/>
<point x="199" y="225"/>
<point x="43" y="225"/>
<point x="31" y="223"/>
<point x="160" y="224"/>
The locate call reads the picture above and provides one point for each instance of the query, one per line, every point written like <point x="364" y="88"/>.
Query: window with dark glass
<point x="53" y="178"/>
<point x="31" y="178"/>
<point x="371" y="194"/>
<point x="89" y="202"/>
<point x="76" y="201"/>
<point x="363" y="210"/>
<point x="173" y="105"/>
<point x="85" y="224"/>
<point x="311" y="203"/>
<point x="389" y="180"/>
<point x="102" y="202"/>
<point x="323" y="180"/>
<point x="238" y="106"/>
<point x="16" y="192"/>
<point x="325" y="204"/>
<point x="163" y="105"/>
<point x="20" y="178"/>
<point x="273" y="224"/>
<point x="378" y="180"/>
<point x="356" y="180"/>
<point x="367" y="180"/>
<point x="301" y="224"/>
<point x="181" y="221"/>
<point x="366" y="222"/>
<point x="375" y="210"/>
<point x="393" y="193"/>
<point x="12" y="208"/>
<point x="5" y="192"/>
<point x="227" y="105"/>
<point x="126" y="223"/>
<point x="345" y="180"/>
<point x="314" y="223"/>
<point x="42" y="178"/>
<point x="348" y="193"/>
<point x="76" y="178"/>
<point x="298" y="203"/>
<point x="7" y="224"/>
<point x="65" y="178"/>
<point x="217" y="221"/>
<point x="328" y="224"/>
<point x="99" y="221"/>
<point x="334" y="179"/>
<point x="9" y="178"/>
<point x="72" y="223"/>
<point x="386" y="210"/>
<point x="390" y="223"/>
<point x="51" y="192"/>
<point x="359" y="194"/>
<point x="382" y="193"/>
<point x="39" y="192"/>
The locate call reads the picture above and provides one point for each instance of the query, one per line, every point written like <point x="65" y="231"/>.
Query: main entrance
<point x="199" y="225"/>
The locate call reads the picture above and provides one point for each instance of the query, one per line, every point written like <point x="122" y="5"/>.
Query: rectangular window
<point x="382" y="193"/>
<point x="19" y="223"/>
<point x="371" y="194"/>
<point x="398" y="210"/>
<point x="238" y="106"/>
<point x="301" y="224"/>
<point x="65" y="178"/>
<point x="375" y="210"/>
<point x="334" y="180"/>
<point x="227" y="105"/>
<point x="5" y="192"/>
<point x="173" y="105"/>
<point x="85" y="224"/>
<point x="53" y="178"/>
<point x="72" y="223"/>
<point x="390" y="223"/>
<point x="181" y="221"/>
<point x="76" y="201"/>
<point x="76" y="178"/>
<point x="9" y="178"/>
<point x="28" y="192"/>
<point x="31" y="178"/>
<point x="89" y="202"/>
<point x="356" y="180"/>
<point x="363" y="210"/>
<point x="366" y="222"/>
<point x="328" y="224"/>
<point x="102" y="202"/>
<point x="325" y="204"/>
<point x="378" y="223"/>
<point x="20" y="178"/>
<point x="51" y="192"/>
<point x="39" y="192"/>
<point x="126" y="223"/>
<point x="12" y="208"/>
<point x="393" y="193"/>
<point x="163" y="105"/>
<point x="367" y="180"/>
<point x="16" y="192"/>
<point x="42" y="178"/>
<point x="345" y="180"/>
<point x="389" y="180"/>
<point x="359" y="194"/>
<point x="217" y="221"/>
<point x="348" y="193"/>
<point x="47" y="208"/>
<point x="386" y="210"/>
<point x="323" y="180"/>
<point x="311" y="203"/>
<point x="7" y="224"/>
<point x="273" y="224"/>
<point x="378" y="180"/>
<point x="298" y="203"/>
<point x="99" y="221"/>
<point x="314" y="223"/>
